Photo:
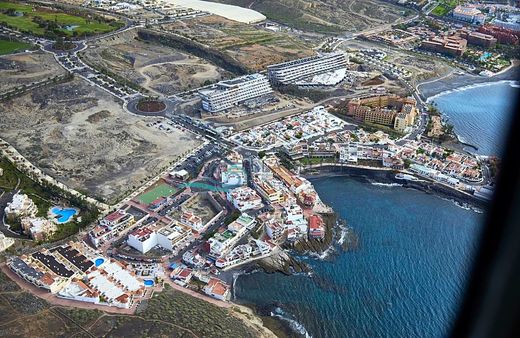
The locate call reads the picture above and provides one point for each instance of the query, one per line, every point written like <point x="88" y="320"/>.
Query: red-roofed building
<point x="217" y="289"/>
<point x="316" y="227"/>
<point x="123" y="301"/>
<point x="182" y="275"/>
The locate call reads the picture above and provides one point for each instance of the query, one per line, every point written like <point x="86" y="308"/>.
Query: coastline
<point x="431" y="89"/>
<point x="387" y="178"/>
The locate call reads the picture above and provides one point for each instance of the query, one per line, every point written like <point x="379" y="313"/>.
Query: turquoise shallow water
<point x="404" y="280"/>
<point x="481" y="114"/>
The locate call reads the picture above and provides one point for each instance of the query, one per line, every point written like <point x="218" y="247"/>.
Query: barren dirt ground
<point x="254" y="47"/>
<point x="159" y="69"/>
<point x="80" y="135"/>
<point x="23" y="69"/>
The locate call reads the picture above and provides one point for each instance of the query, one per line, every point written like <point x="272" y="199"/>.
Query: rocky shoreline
<point x="339" y="237"/>
<point x="284" y="262"/>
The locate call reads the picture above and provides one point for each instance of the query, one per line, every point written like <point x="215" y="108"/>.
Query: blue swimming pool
<point x="99" y="261"/>
<point x="485" y="56"/>
<point x="63" y="215"/>
<point x="148" y="282"/>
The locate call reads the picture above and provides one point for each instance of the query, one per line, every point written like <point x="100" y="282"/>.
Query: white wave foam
<point x="387" y="184"/>
<point x="465" y="206"/>
<point x="344" y="233"/>
<point x="235" y="277"/>
<point x="475" y="85"/>
<point x="295" y="325"/>
<point x="322" y="256"/>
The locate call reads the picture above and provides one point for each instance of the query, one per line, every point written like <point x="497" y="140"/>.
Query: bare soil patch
<point x="81" y="136"/>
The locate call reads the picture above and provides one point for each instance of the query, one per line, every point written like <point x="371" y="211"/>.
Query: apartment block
<point x="453" y="45"/>
<point x="388" y="110"/>
<point x="479" y="39"/>
<point x="292" y="71"/>
<point x="21" y="205"/>
<point x="227" y="94"/>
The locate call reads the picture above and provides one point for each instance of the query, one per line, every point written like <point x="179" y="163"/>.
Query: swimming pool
<point x="148" y="282"/>
<point x="63" y="215"/>
<point x="99" y="261"/>
<point x="485" y="56"/>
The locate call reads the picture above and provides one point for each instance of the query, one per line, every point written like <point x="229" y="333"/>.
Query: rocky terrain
<point x="23" y="69"/>
<point x="80" y="135"/>
<point x="327" y="16"/>
<point x="156" y="68"/>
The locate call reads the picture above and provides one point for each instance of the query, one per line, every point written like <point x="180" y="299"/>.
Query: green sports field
<point x="444" y="7"/>
<point x="162" y="190"/>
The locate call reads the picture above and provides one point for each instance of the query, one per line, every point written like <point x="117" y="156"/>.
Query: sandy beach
<point x="454" y="81"/>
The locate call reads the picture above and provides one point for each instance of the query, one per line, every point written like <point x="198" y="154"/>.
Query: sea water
<point x="480" y="114"/>
<point x="405" y="278"/>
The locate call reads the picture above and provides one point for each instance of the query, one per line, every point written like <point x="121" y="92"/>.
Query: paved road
<point x="6" y="197"/>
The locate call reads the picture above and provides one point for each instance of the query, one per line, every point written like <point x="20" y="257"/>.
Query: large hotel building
<point x="388" y="110"/>
<point x="292" y="71"/>
<point x="227" y="94"/>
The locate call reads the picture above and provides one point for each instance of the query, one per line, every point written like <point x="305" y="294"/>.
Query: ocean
<point x="480" y="114"/>
<point x="404" y="279"/>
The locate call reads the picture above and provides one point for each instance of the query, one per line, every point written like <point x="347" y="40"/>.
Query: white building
<point x="227" y="94"/>
<point x="469" y="14"/>
<point x="292" y="71"/>
<point x="233" y="175"/>
<point x="5" y="242"/>
<point x="180" y="174"/>
<point x="192" y="220"/>
<point x="21" y="205"/>
<point x="294" y="220"/>
<point x="244" y="221"/>
<point x="143" y="239"/>
<point x="117" y="220"/>
<point x="221" y="243"/>
<point x="274" y="229"/>
<point x="172" y="238"/>
<point x="244" y="198"/>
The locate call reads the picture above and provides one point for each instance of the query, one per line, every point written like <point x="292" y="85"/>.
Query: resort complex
<point x="163" y="162"/>
<point x="393" y="111"/>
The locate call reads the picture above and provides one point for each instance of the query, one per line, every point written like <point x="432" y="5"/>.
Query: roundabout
<point x="150" y="107"/>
